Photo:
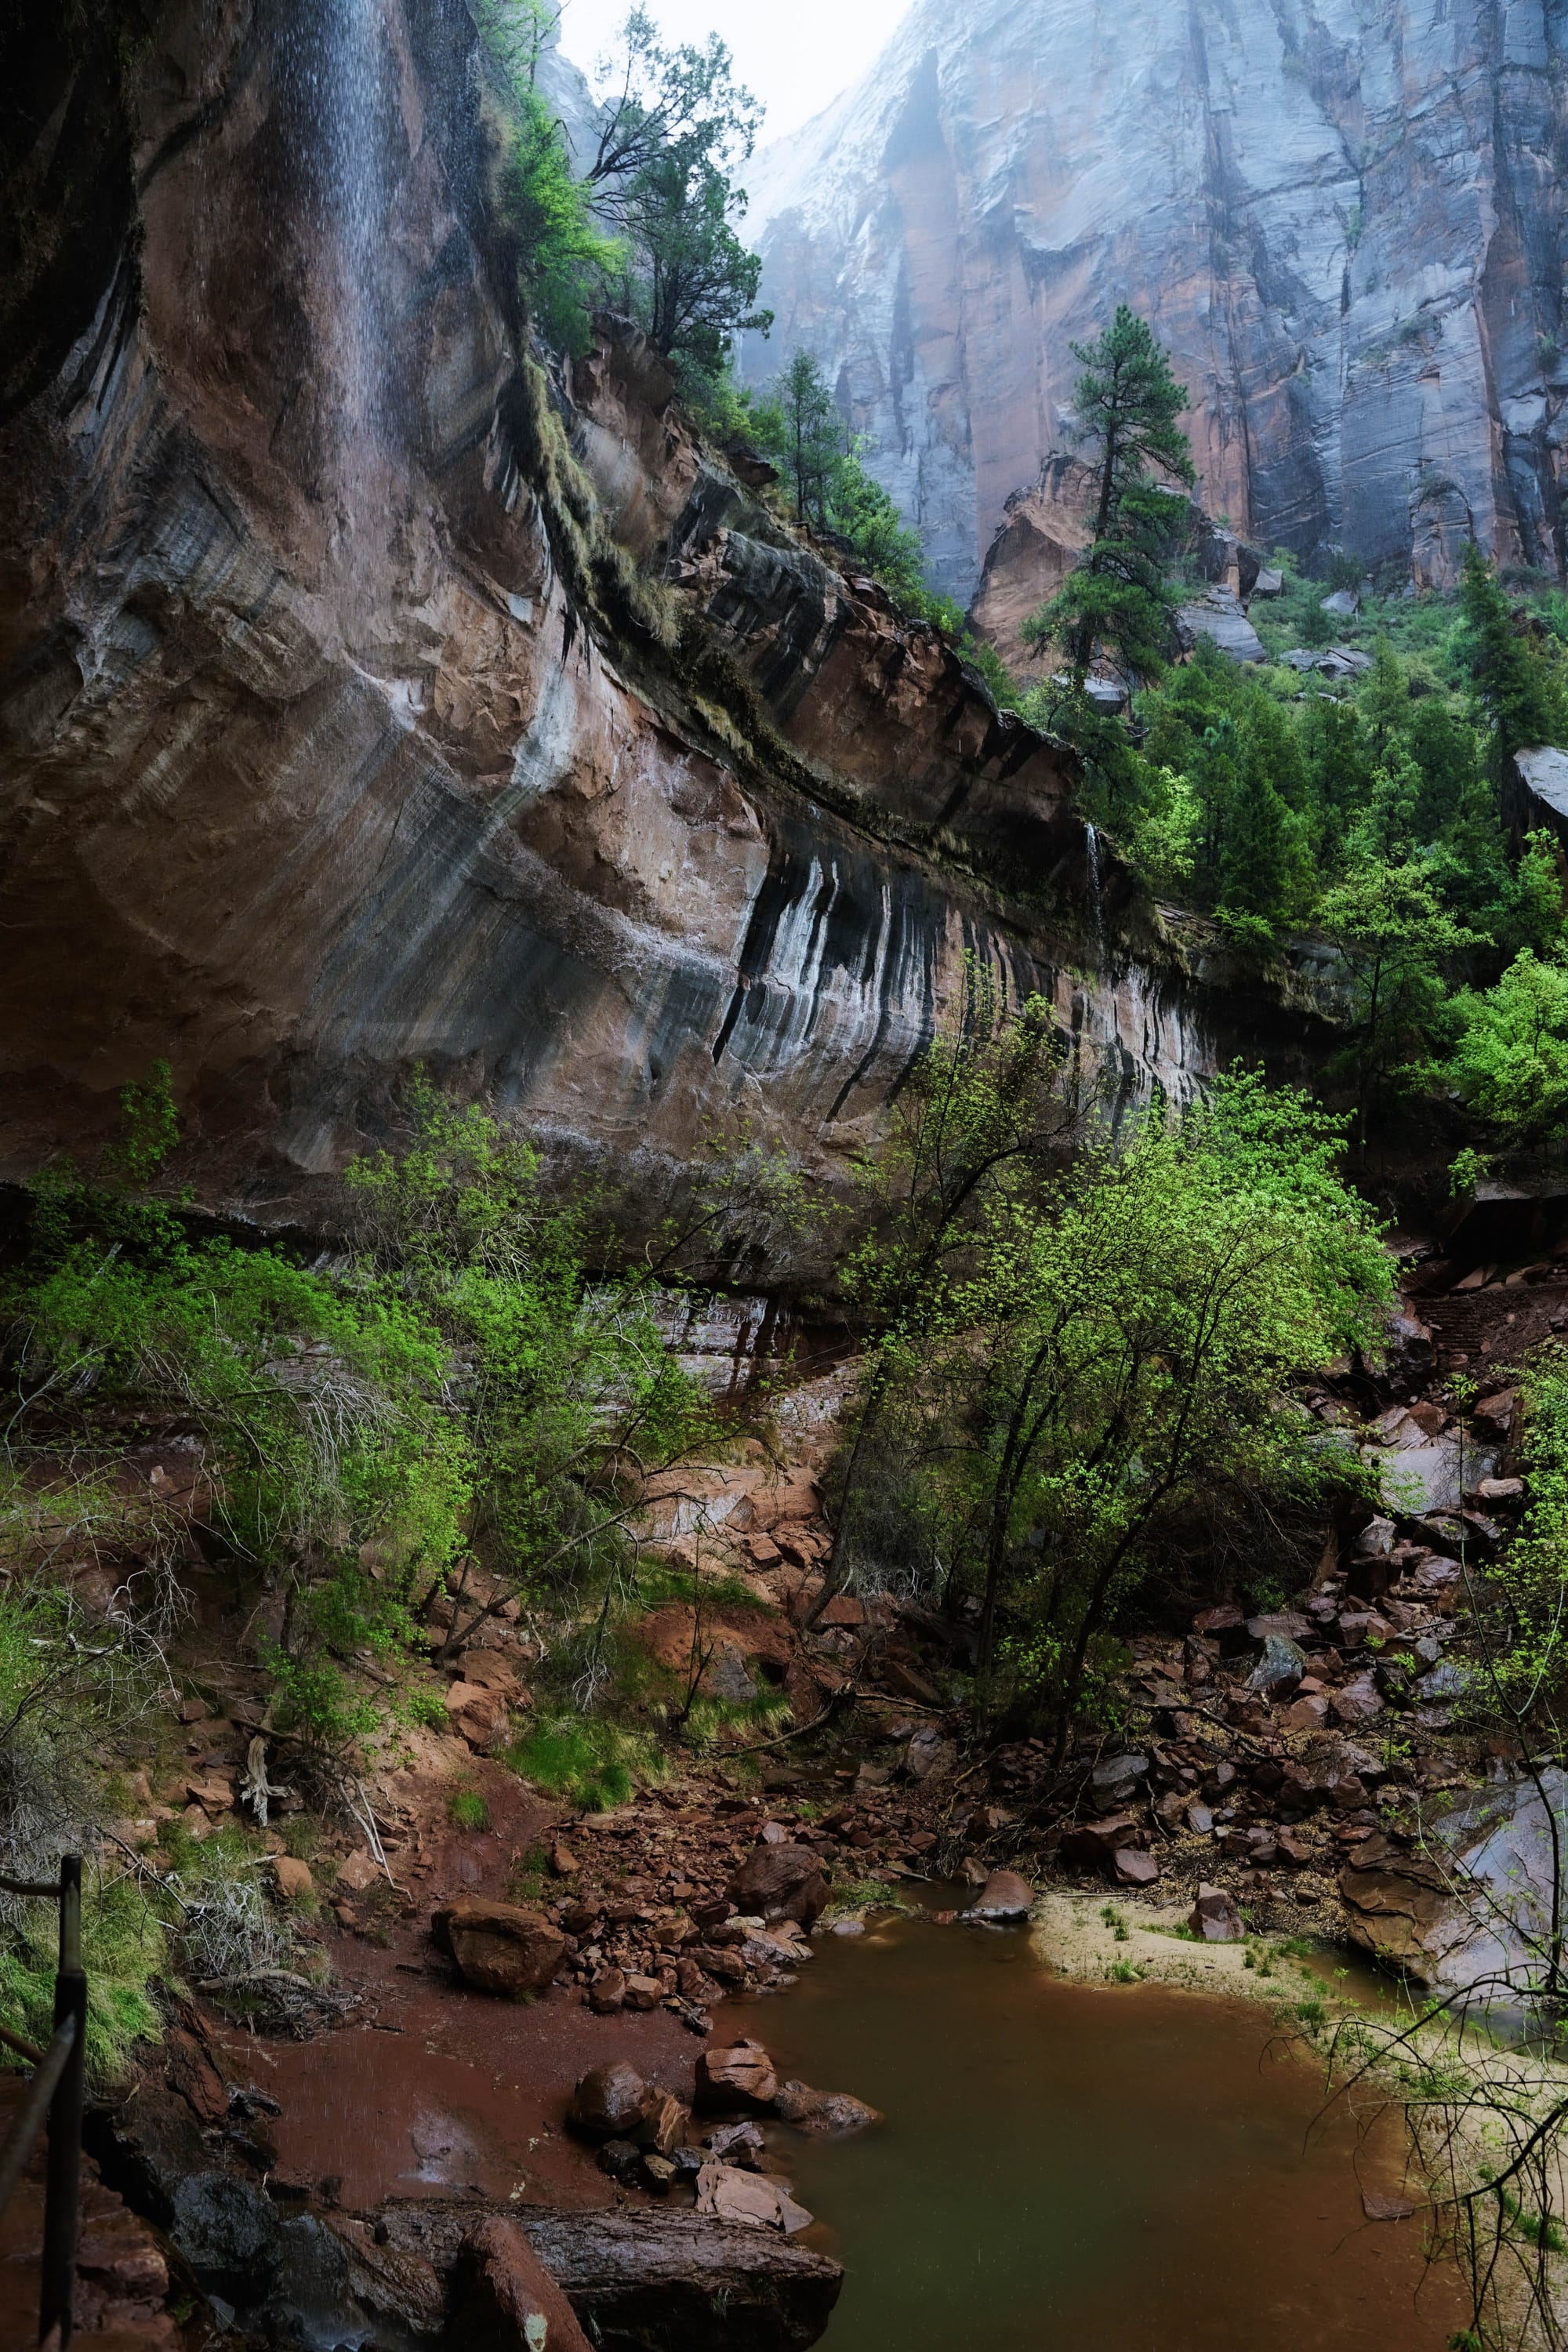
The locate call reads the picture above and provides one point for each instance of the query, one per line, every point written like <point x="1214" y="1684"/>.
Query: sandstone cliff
<point x="372" y="692"/>
<point x="1345" y="216"/>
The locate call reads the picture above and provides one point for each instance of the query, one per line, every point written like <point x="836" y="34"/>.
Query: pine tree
<point x="814" y="438"/>
<point x="1255" y="866"/>
<point x="1512" y="688"/>
<point x="1128" y="402"/>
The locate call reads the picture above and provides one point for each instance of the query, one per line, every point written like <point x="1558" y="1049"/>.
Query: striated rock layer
<point x="341" y="730"/>
<point x="1346" y="217"/>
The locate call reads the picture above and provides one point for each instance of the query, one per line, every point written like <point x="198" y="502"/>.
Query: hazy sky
<point x="797" y="55"/>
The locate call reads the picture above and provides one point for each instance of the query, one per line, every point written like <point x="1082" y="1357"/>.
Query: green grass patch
<point x="592" y="1763"/>
<point x="123" y="1948"/>
<point x="468" y="1809"/>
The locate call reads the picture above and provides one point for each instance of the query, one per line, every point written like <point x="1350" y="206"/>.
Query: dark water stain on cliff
<point x="1116" y="2169"/>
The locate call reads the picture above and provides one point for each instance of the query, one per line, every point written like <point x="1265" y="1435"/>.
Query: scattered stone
<point x="1225" y="1626"/>
<point x="607" y="1992"/>
<point x="623" y="2160"/>
<point x="665" y="2123"/>
<point x="930" y="1756"/>
<point x="293" y="1878"/>
<point x="608" y="2103"/>
<point x="1280" y="1668"/>
<point x="562" y="1861"/>
<point x="477" y="1714"/>
<point x="1306" y="1714"/>
<point x="780" y="1881"/>
<point x="644" y="1992"/>
<point x="1005" y="1896"/>
<point x="1214" y="1918"/>
<point x="737" y="2144"/>
<point x="824" y="2115"/>
<point x="1379" y="2206"/>
<point x="497" y="1947"/>
<point x="1131" y="1868"/>
<point x="1093" y="1845"/>
<point x="1114" y="1782"/>
<point x="727" y="2195"/>
<point x="1199" y="1817"/>
<point x="1357" y="1702"/>
<point x="740" y="2077"/>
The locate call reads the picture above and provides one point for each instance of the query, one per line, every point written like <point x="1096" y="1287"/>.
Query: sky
<point x="796" y="54"/>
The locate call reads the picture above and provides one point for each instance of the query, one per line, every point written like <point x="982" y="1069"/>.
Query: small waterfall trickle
<point x="1095" y="900"/>
<point x="337" y="61"/>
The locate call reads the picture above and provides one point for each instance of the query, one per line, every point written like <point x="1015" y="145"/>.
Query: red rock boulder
<point x="780" y="1882"/>
<point x="739" y="2080"/>
<point x="497" y="1947"/>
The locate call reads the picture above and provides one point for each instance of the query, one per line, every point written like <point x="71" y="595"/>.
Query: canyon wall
<point x="1345" y="218"/>
<point x="374" y="691"/>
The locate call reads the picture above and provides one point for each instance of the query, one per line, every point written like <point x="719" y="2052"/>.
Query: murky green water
<point x="1108" y="2170"/>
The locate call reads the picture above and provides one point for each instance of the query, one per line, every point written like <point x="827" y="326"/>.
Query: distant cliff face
<point x="1346" y="217"/>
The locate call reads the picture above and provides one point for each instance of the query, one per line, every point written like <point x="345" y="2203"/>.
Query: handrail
<point x="28" y="2049"/>
<point x="30" y="2122"/>
<point x="58" y="2089"/>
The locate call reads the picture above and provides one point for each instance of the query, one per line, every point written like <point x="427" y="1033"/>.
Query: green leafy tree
<point x="1397" y="938"/>
<point x="656" y="100"/>
<point x="699" y="283"/>
<point x="976" y="1125"/>
<point x="562" y="257"/>
<point x="1510" y="1064"/>
<point x="572" y="1398"/>
<point x="1129" y="1324"/>
<point x="676" y="126"/>
<point x="1256" y="871"/>
<point x="1127" y="404"/>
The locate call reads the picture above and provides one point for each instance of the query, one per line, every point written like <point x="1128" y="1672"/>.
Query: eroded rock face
<point x="1346" y="221"/>
<point x="1475" y="1908"/>
<point x="320" y="760"/>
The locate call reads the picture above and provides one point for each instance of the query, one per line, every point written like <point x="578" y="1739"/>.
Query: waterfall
<point x="336" y="60"/>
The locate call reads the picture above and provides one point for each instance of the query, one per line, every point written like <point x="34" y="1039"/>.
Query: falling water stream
<point x="1095" y="900"/>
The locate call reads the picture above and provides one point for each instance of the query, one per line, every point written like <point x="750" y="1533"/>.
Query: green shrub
<point x="468" y="1809"/>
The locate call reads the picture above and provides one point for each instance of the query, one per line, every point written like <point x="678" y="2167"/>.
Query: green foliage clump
<point x="595" y="1764"/>
<point x="798" y="425"/>
<point x="650" y="216"/>
<point x="468" y="1809"/>
<point x="1510" y="1066"/>
<point x="124" y="1945"/>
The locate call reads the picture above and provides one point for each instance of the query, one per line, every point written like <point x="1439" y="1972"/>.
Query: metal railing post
<point x="56" y="2303"/>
